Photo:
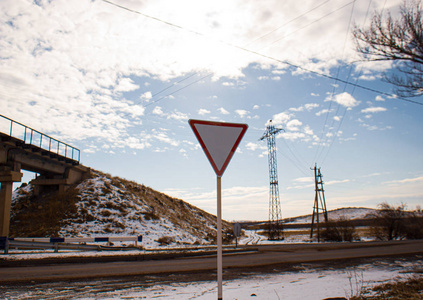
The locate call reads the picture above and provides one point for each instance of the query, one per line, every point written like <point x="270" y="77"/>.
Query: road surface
<point x="266" y="255"/>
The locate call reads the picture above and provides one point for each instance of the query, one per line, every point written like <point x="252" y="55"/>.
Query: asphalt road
<point x="267" y="255"/>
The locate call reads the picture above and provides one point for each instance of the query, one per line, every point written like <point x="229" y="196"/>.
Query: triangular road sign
<point x="219" y="141"/>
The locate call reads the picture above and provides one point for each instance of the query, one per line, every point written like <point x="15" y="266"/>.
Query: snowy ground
<point x="306" y="284"/>
<point x="305" y="281"/>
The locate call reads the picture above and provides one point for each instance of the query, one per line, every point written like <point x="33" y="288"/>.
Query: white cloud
<point x="301" y="108"/>
<point x="136" y="143"/>
<point x="157" y="110"/>
<point x="281" y="118"/>
<point x="373" y="110"/>
<point x="323" y="111"/>
<point x="292" y="135"/>
<point x="304" y="179"/>
<point x="379" y="98"/>
<point x="308" y="130"/>
<point x="177" y="115"/>
<point x="223" y="111"/>
<point x="125" y="85"/>
<point x="203" y="111"/>
<point x="146" y="96"/>
<point x="135" y="110"/>
<point x="344" y="99"/>
<point x="163" y="137"/>
<point x="279" y="72"/>
<point x="241" y="112"/>
<point x="405" y="181"/>
<point x="369" y="77"/>
<point x="75" y="59"/>
<point x="337" y="181"/>
<point x="183" y="152"/>
<point x="254" y="146"/>
<point x="293" y="125"/>
<point x="310" y="106"/>
<point x="256" y="107"/>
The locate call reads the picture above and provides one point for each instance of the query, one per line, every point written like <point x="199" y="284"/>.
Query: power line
<point x="153" y="18"/>
<point x="243" y="48"/>
<point x="266" y="56"/>
<point x="315" y="21"/>
<point x="345" y="111"/>
<point x="290" y="21"/>
<point x="184" y="87"/>
<point x="299" y="162"/>
<point x="175" y="83"/>
<point x="334" y="89"/>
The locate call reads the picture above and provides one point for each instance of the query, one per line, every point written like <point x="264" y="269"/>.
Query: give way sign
<point x="219" y="141"/>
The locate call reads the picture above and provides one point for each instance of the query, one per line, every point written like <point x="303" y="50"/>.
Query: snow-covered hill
<point x="350" y="213"/>
<point x="111" y="206"/>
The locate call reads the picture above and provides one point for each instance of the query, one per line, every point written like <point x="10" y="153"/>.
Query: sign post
<point x="219" y="240"/>
<point x="237" y="233"/>
<point x="219" y="141"/>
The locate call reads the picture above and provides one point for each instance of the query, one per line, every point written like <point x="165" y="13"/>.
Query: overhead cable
<point x="267" y="56"/>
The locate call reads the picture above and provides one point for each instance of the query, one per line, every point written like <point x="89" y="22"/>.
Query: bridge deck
<point x="23" y="137"/>
<point x="34" y="149"/>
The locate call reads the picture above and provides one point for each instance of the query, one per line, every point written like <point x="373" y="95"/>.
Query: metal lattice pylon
<point x="275" y="216"/>
<point x="319" y="197"/>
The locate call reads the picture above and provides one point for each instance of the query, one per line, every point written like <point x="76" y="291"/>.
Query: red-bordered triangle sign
<point x="219" y="141"/>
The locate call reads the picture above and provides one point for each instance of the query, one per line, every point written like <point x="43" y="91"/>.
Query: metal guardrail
<point x="36" y="138"/>
<point x="67" y="243"/>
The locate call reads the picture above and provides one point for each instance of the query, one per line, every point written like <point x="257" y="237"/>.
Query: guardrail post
<point x="6" y="246"/>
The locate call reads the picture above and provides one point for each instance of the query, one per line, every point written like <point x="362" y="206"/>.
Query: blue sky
<point x="121" y="84"/>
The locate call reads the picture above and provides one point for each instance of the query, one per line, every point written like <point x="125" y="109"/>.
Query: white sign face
<point x="219" y="141"/>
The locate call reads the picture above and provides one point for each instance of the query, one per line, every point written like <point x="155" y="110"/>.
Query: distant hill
<point x="350" y="213"/>
<point x="111" y="206"/>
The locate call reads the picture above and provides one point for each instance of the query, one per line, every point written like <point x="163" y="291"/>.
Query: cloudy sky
<point x="120" y="79"/>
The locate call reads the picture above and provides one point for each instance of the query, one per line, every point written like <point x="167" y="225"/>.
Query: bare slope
<point x="106" y="205"/>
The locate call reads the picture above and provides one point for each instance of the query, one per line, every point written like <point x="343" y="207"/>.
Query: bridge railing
<point x="33" y="137"/>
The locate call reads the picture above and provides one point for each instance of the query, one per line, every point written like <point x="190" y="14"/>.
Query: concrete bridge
<point x="24" y="148"/>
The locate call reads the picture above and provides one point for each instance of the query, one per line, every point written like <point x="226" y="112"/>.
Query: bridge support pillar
<point x="6" y="179"/>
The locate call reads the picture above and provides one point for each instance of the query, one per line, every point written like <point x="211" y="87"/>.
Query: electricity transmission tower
<point x="275" y="215"/>
<point x="319" y="197"/>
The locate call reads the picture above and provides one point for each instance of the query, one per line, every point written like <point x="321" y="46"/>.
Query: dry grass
<point x="110" y="202"/>
<point x="42" y="216"/>
<point x="406" y="288"/>
<point x="305" y="232"/>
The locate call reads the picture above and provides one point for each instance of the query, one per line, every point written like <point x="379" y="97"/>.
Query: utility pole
<point x="275" y="216"/>
<point x="319" y="197"/>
